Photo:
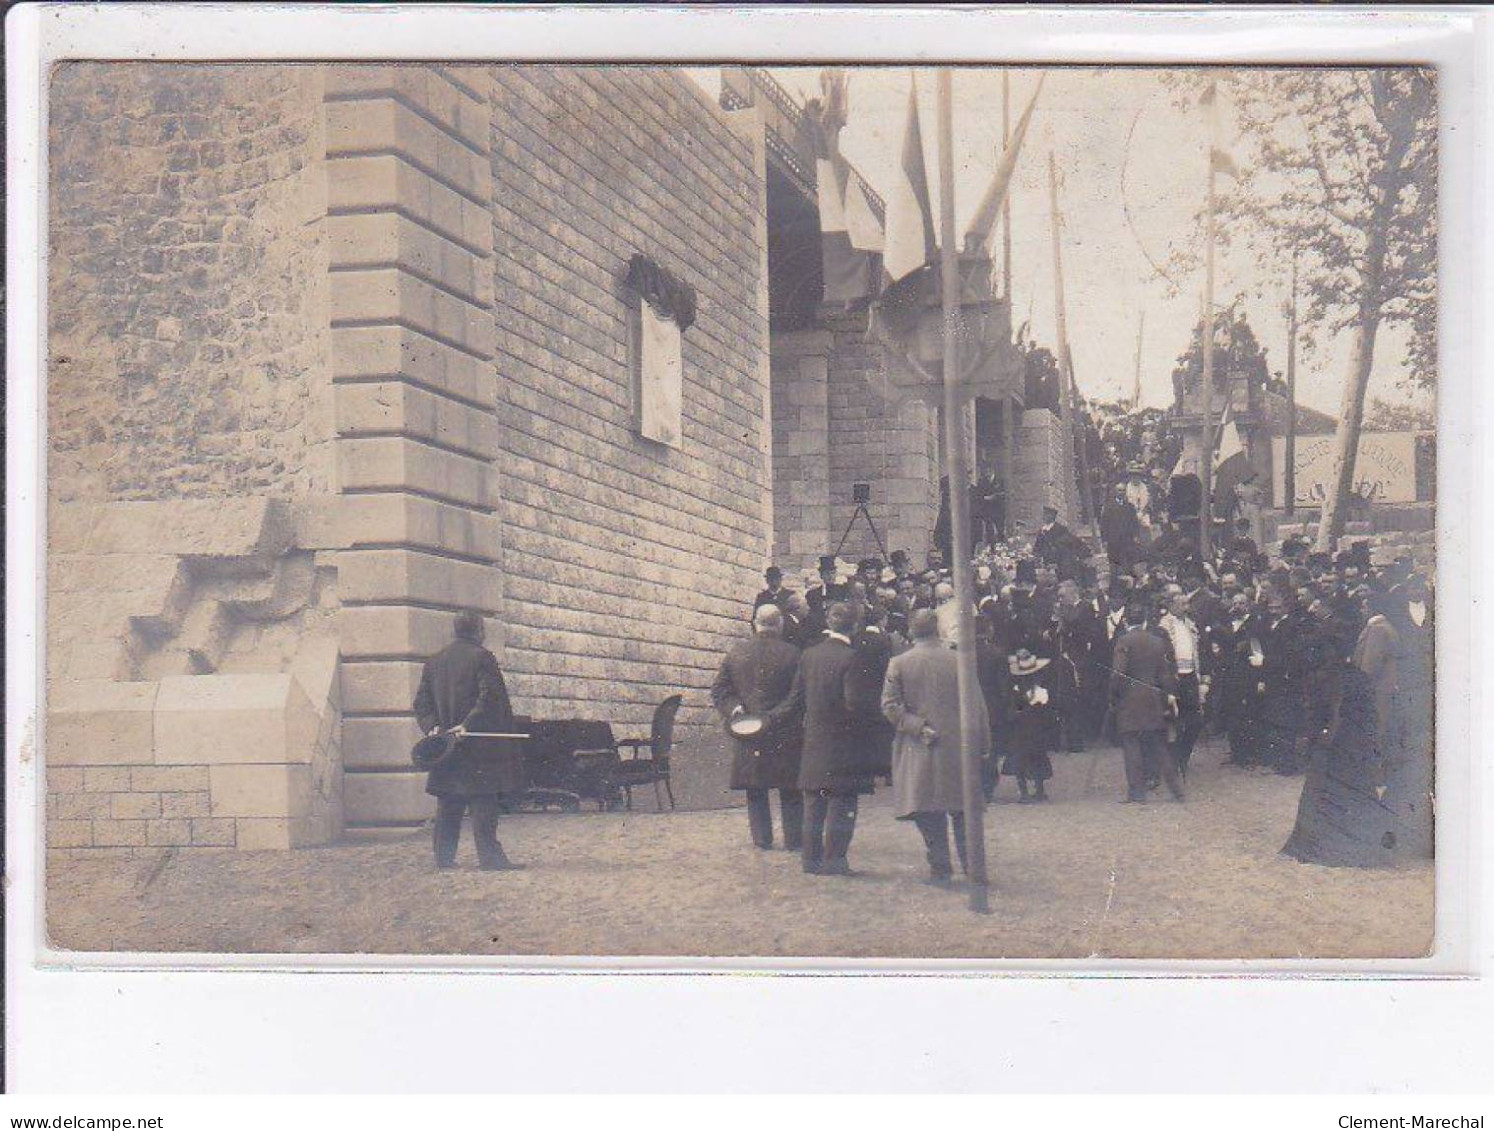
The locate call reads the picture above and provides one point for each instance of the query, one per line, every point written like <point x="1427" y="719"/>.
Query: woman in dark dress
<point x="1032" y="723"/>
<point x="1343" y="820"/>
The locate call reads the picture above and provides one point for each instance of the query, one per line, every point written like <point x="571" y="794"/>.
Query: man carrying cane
<point x="462" y="690"/>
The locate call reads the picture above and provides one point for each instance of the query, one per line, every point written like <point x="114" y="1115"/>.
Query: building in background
<point x="337" y="351"/>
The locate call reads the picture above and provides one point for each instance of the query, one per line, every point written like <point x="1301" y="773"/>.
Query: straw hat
<point x="1023" y="662"/>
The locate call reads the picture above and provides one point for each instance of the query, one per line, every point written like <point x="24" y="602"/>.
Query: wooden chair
<point x="637" y="768"/>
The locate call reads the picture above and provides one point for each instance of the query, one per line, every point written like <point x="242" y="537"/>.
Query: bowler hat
<point x="1026" y="572"/>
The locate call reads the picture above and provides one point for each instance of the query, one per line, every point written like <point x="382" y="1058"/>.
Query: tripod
<point x="855" y="514"/>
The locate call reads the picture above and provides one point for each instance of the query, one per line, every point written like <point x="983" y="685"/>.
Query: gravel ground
<point x="1079" y="877"/>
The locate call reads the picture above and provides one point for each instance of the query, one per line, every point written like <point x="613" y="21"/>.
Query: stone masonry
<point x="186" y="326"/>
<point x="628" y="567"/>
<point x="383" y="317"/>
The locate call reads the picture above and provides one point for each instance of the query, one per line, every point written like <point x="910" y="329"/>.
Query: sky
<point x="1132" y="172"/>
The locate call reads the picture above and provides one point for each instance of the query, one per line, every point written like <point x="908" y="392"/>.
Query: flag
<point x="850" y="233"/>
<point x="850" y="237"/>
<point x="1224" y="163"/>
<point x="990" y="204"/>
<point x="910" y="241"/>
<point x="909" y="246"/>
<point x="1220" y="160"/>
<point x="1231" y="461"/>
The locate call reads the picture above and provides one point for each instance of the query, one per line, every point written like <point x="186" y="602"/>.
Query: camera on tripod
<point x="861" y="496"/>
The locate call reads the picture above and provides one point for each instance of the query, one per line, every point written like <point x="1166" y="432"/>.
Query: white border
<point x="52" y="1005"/>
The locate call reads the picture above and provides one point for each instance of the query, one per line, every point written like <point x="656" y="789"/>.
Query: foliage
<point x="1334" y="163"/>
<point x="1385" y="417"/>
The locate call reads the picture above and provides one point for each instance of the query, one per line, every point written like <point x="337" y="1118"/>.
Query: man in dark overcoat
<point x="1120" y="529"/>
<point x="462" y="689"/>
<point x="873" y="648"/>
<point x="1143" y="685"/>
<point x="1287" y="643"/>
<point x="833" y="770"/>
<point x="775" y="593"/>
<point x="754" y="678"/>
<point x="1059" y="546"/>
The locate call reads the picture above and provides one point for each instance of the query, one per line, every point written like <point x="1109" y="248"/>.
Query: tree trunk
<point x="1351" y="415"/>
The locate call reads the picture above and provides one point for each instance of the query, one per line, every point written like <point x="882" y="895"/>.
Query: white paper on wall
<point x="660" y="377"/>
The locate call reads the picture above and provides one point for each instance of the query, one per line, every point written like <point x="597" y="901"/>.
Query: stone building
<point x="336" y="351"/>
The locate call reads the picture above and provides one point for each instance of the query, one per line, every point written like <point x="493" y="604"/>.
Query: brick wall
<point x="187" y="282"/>
<point x="628" y="567"/>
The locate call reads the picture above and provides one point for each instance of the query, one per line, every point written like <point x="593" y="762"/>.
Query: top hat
<point x="827" y="561"/>
<point x="1026" y="572"/>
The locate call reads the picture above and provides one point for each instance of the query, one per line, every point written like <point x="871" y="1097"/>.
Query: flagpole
<point x="1008" y="402"/>
<point x="956" y="467"/>
<point x="1006" y="205"/>
<point x="1289" y="471"/>
<point x="1206" y="460"/>
<point x="1067" y="400"/>
<point x="1136" y="386"/>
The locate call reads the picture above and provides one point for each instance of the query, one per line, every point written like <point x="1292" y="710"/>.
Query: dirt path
<point x="1079" y="877"/>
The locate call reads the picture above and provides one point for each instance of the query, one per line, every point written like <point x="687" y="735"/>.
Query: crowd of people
<point x="1303" y="662"/>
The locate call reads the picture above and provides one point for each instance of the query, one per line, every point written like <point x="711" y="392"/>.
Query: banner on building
<point x="1385" y="470"/>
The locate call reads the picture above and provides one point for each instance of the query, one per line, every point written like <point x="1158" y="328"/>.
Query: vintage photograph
<point x="739" y="512"/>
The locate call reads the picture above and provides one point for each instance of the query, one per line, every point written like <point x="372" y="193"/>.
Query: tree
<point x="1340" y="169"/>
<point x="1386" y="417"/>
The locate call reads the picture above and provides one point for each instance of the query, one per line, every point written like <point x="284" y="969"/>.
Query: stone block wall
<point x="193" y="691"/>
<point x="391" y="297"/>
<point x="628" y="567"/>
<point x="801" y="448"/>
<point x="187" y="321"/>
<point x="894" y="449"/>
<point x="1044" y="456"/>
<point x="410" y="266"/>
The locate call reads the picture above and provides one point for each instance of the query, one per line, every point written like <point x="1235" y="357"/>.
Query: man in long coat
<point x="921" y="699"/>
<point x="833" y="769"/>
<point x="755" y="677"/>
<point x="462" y="689"/>
<point x="873" y="650"/>
<point x="1286" y="641"/>
<point x="1143" y="684"/>
<point x="1120" y="529"/>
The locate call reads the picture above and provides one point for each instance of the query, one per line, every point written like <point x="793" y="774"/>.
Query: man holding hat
<point x="755" y="677"/>
<point x="462" y="689"/>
